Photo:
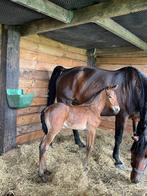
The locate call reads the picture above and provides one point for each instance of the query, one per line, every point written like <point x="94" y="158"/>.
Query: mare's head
<point x="139" y="156"/>
<point x="111" y="99"/>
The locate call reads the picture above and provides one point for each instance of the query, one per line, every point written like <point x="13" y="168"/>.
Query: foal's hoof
<point x="120" y="166"/>
<point x="47" y="172"/>
<point x="44" y="178"/>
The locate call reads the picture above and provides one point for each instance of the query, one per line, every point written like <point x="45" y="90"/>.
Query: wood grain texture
<point x="9" y="78"/>
<point x="88" y="14"/>
<point x="29" y="137"/>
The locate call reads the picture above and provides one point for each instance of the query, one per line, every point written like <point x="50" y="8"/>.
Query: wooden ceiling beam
<point x="121" y="32"/>
<point x="100" y="11"/>
<point x="47" y="8"/>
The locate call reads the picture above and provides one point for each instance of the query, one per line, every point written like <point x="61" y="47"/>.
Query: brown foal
<point x="82" y="117"/>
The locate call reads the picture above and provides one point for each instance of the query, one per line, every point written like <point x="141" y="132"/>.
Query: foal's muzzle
<point x="116" y="109"/>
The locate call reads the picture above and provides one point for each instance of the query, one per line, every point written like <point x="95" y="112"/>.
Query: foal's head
<point x="111" y="99"/>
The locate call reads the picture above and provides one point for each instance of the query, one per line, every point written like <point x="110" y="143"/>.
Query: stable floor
<point x="19" y="170"/>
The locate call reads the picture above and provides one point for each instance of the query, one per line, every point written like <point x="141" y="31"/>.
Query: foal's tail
<point x="52" y="84"/>
<point x="51" y="94"/>
<point x="42" y="117"/>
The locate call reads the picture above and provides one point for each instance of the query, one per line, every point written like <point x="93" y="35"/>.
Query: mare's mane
<point x="140" y="146"/>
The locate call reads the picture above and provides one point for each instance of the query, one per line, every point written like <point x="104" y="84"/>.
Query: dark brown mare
<point x="139" y="148"/>
<point x="76" y="85"/>
<point x="83" y="117"/>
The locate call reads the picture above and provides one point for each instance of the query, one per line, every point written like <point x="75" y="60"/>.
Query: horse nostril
<point x="134" y="178"/>
<point x="116" y="109"/>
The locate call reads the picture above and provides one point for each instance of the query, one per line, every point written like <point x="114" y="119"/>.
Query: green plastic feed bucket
<point x="17" y="99"/>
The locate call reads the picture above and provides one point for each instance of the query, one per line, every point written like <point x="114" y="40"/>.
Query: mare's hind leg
<point x="119" y="127"/>
<point x="89" y="144"/>
<point x="77" y="139"/>
<point x="47" y="140"/>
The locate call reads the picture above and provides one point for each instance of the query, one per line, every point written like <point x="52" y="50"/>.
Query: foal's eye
<point x="109" y="97"/>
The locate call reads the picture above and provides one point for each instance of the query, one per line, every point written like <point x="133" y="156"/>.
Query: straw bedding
<point x="19" y="170"/>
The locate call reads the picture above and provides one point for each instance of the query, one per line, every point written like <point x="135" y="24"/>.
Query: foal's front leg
<point x="89" y="143"/>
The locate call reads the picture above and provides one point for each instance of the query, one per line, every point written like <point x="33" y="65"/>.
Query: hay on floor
<point x="19" y="170"/>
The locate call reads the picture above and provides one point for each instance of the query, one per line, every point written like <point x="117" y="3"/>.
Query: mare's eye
<point x="109" y="96"/>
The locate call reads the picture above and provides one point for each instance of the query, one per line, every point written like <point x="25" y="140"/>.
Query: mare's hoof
<point x="120" y="166"/>
<point x="81" y="145"/>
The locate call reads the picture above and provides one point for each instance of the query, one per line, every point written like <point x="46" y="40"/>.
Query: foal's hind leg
<point x="47" y="140"/>
<point x="89" y="143"/>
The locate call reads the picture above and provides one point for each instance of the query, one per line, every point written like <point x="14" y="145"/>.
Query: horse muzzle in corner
<point x="116" y="109"/>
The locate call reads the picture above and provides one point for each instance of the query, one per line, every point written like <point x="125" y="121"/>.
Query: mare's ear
<point x="115" y="86"/>
<point x="135" y="138"/>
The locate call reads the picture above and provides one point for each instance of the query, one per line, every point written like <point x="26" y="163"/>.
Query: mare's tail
<point x="52" y="84"/>
<point x="51" y="94"/>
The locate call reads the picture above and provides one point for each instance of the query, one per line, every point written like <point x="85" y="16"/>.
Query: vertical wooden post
<point x="9" y="76"/>
<point x="91" y="54"/>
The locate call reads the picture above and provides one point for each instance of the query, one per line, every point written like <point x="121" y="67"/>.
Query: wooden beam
<point x="92" y="13"/>
<point x="121" y="32"/>
<point x="47" y="8"/>
<point x="9" y="77"/>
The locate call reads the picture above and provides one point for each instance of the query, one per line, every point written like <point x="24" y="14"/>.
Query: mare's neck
<point x="99" y="102"/>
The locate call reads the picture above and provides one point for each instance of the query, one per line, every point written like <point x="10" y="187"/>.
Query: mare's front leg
<point x="119" y="127"/>
<point x="89" y="143"/>
<point x="77" y="139"/>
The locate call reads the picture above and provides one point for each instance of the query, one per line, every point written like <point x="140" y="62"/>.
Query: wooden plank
<point x="48" y="52"/>
<point x="49" y="66"/>
<point x="122" y="60"/>
<point x="34" y="41"/>
<point x="33" y="74"/>
<point x="47" y="8"/>
<point x="117" y="50"/>
<point x="9" y="77"/>
<point x="33" y="83"/>
<point x="38" y="92"/>
<point x="28" y="128"/>
<point x="30" y="110"/>
<point x="29" y="137"/>
<point x="92" y="13"/>
<point x="28" y="119"/>
<point x="39" y="101"/>
<point x="121" y="32"/>
<point x="44" y="49"/>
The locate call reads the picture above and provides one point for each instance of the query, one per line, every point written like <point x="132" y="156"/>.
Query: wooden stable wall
<point x="113" y="62"/>
<point x="38" y="57"/>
